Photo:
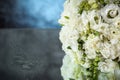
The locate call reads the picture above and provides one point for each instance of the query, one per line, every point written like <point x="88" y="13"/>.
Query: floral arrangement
<point x="90" y="37"/>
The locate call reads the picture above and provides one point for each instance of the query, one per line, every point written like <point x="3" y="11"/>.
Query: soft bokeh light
<point x="33" y="13"/>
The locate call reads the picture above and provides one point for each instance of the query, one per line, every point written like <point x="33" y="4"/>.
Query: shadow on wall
<point x="30" y="13"/>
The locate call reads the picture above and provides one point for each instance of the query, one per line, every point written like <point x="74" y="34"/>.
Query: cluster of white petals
<point x="92" y="34"/>
<point x="108" y="66"/>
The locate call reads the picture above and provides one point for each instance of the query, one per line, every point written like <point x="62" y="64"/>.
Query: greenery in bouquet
<point x="90" y="37"/>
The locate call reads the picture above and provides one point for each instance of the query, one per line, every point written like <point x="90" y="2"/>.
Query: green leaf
<point x="81" y="6"/>
<point x="66" y="17"/>
<point x="80" y="44"/>
<point x="94" y="6"/>
<point x="61" y="24"/>
<point x="71" y="79"/>
<point x="96" y="19"/>
<point x="87" y="6"/>
<point x="69" y="47"/>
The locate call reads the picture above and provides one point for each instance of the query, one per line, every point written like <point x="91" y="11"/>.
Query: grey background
<point x="30" y="54"/>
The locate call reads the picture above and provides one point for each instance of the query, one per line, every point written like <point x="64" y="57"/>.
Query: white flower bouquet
<point x="90" y="37"/>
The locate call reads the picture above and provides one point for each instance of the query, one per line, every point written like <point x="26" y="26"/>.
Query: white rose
<point x="110" y="13"/>
<point x="91" y="46"/>
<point x="108" y="66"/>
<point x="109" y="51"/>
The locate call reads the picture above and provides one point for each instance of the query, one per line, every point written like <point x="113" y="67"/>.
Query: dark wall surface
<point x="30" y="54"/>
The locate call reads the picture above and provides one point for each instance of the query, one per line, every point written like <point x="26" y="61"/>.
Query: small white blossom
<point x="108" y="66"/>
<point x="91" y="46"/>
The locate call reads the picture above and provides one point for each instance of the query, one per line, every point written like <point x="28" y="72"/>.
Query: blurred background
<point x="30" y="13"/>
<point x="30" y="48"/>
<point x="30" y="54"/>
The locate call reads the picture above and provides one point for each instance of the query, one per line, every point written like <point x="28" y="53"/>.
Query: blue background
<point x="30" y="54"/>
<point x="30" y="13"/>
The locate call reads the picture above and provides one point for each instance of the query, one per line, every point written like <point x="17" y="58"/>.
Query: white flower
<point x="114" y="41"/>
<point x="99" y="30"/>
<point x="109" y="51"/>
<point x="117" y="23"/>
<point x="110" y="13"/>
<point x="94" y="17"/>
<point x="108" y="66"/>
<point x="91" y="1"/>
<point x="91" y="46"/>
